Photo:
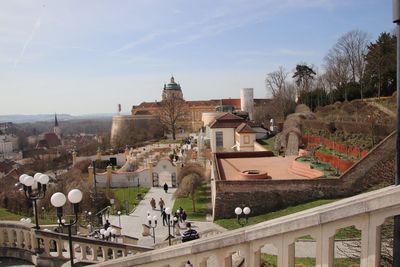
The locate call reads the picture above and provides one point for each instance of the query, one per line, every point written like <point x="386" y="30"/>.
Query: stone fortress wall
<point x="124" y="126"/>
<point x="269" y="195"/>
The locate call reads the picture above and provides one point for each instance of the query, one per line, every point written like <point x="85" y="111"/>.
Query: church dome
<point x="172" y="85"/>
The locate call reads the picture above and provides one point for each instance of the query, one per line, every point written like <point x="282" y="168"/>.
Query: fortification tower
<point x="247" y="101"/>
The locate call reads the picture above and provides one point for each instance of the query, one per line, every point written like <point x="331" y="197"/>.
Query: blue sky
<point x="80" y="57"/>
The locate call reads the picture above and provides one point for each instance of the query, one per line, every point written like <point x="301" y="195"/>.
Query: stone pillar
<point x="74" y="155"/>
<point x="98" y="154"/>
<point x="46" y="246"/>
<point x="1" y="237"/>
<point x="374" y="231"/>
<point x="83" y="252"/>
<point x="327" y="246"/>
<point x="109" y="178"/>
<point x="19" y="238"/>
<point x="151" y="173"/>
<point x="288" y="254"/>
<point x="94" y="253"/>
<point x="90" y="174"/>
<point x="59" y="245"/>
<point x="254" y="257"/>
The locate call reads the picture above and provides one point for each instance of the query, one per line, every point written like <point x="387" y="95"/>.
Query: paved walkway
<point x="132" y="224"/>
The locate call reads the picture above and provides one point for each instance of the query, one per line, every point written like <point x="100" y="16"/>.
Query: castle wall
<point x="128" y="129"/>
<point x="271" y="195"/>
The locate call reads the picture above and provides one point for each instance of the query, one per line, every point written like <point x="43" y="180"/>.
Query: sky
<point x="83" y="57"/>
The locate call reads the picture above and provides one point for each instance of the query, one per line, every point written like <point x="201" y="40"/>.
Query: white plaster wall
<point x="164" y="165"/>
<point x="121" y="158"/>
<point x="6" y="147"/>
<point x="246" y="147"/>
<point x="122" y="179"/>
<point x="228" y="137"/>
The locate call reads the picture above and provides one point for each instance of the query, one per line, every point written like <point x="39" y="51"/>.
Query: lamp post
<point x="170" y="223"/>
<point x="242" y="214"/>
<point x="396" y="232"/>
<point x="119" y="217"/>
<point x="34" y="189"/>
<point x="58" y="200"/>
<point x="153" y="225"/>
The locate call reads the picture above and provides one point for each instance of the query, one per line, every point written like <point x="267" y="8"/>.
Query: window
<point x="247" y="139"/>
<point x="219" y="139"/>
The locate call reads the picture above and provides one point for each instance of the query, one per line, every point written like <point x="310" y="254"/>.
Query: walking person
<point x="153" y="203"/>
<point x="161" y="203"/>
<point x="164" y="217"/>
<point x="166" y="188"/>
<point x="184" y="216"/>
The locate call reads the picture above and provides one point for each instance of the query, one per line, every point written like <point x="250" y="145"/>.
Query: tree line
<point x="354" y="68"/>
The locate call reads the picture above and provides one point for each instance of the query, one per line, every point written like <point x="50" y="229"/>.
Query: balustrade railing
<point x="17" y="235"/>
<point x="366" y="212"/>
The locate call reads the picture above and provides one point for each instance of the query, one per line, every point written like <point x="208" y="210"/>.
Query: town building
<point x="194" y="110"/>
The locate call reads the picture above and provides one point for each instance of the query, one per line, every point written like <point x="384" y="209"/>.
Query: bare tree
<point x="283" y="93"/>
<point x="348" y="55"/>
<point x="172" y="111"/>
<point x="189" y="186"/>
<point x="276" y="81"/>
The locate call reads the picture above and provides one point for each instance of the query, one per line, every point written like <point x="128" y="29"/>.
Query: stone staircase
<point x="304" y="170"/>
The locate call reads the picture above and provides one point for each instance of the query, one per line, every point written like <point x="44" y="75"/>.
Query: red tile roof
<point x="244" y="128"/>
<point x="227" y="120"/>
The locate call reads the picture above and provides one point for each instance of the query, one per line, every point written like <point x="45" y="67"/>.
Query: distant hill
<point x="21" y="118"/>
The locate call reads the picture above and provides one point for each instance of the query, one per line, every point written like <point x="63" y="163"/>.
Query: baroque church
<point x="146" y="114"/>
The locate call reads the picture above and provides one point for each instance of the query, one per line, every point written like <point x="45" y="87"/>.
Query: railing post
<point x="46" y="246"/>
<point x="94" y="250"/>
<point x="115" y="253"/>
<point x="83" y="251"/>
<point x="1" y="236"/>
<point x="327" y="246"/>
<point x="254" y="256"/>
<point x="374" y="247"/>
<point x="59" y="245"/>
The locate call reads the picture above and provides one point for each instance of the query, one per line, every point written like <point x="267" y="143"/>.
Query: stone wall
<point x="270" y="195"/>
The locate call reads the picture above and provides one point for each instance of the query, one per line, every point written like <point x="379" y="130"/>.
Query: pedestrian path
<point x="132" y="224"/>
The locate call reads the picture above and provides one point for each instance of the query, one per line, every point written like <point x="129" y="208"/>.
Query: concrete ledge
<point x="7" y="252"/>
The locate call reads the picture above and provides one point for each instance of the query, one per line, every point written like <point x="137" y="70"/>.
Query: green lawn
<point x="130" y="194"/>
<point x="6" y="215"/>
<point x="271" y="261"/>
<point x="202" y="199"/>
<point x="327" y="169"/>
<point x="268" y="144"/>
<point x="231" y="224"/>
<point x="170" y="141"/>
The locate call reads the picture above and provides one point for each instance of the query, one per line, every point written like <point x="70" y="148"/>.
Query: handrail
<point x="103" y="210"/>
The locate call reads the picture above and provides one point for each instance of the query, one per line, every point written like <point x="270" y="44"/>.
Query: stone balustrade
<point x="20" y="240"/>
<point x="367" y="212"/>
<point x="17" y="239"/>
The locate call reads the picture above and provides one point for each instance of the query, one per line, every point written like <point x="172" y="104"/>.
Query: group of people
<point x="161" y="203"/>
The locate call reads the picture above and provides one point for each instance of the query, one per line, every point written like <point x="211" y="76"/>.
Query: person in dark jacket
<point x="164" y="217"/>
<point x="166" y="188"/>
<point x="106" y="225"/>
<point x="189" y="234"/>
